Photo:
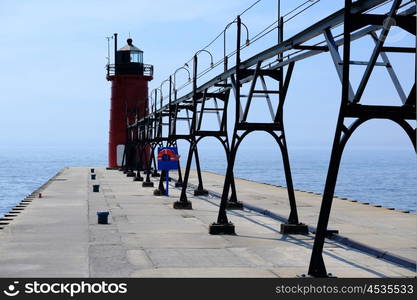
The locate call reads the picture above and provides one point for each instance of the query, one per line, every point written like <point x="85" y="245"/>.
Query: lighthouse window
<point x="136" y="57"/>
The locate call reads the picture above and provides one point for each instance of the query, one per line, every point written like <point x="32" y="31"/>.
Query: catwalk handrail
<point x="291" y="43"/>
<point x="144" y="69"/>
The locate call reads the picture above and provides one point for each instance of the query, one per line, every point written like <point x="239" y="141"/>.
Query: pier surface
<point x="58" y="235"/>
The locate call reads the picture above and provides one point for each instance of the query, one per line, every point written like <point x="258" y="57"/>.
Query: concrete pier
<point x="58" y="235"/>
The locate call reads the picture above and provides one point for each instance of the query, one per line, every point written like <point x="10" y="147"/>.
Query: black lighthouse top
<point x="129" y="61"/>
<point x="130" y="53"/>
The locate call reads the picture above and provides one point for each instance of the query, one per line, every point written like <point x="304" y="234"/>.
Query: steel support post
<point x="183" y="202"/>
<point x="223" y="226"/>
<point x="139" y="153"/>
<point x="179" y="181"/>
<point x="200" y="191"/>
<point x="148" y="182"/>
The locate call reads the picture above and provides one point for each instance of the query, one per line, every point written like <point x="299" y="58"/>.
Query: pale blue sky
<point x="52" y="79"/>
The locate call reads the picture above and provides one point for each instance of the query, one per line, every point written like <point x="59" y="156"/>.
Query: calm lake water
<point x="382" y="177"/>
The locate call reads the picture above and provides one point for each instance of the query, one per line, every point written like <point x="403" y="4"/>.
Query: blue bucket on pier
<point x="103" y="217"/>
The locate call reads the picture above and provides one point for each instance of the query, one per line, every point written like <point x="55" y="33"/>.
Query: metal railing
<point x="140" y="69"/>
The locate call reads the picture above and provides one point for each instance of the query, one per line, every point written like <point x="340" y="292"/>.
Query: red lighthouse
<point x="129" y="93"/>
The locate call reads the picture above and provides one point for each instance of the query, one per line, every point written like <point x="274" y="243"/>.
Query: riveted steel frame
<point x="196" y="110"/>
<point x="243" y="127"/>
<point x="352" y="109"/>
<point x="357" y="23"/>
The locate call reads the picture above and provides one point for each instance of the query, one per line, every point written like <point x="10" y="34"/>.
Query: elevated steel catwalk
<point x="295" y="43"/>
<point x="275" y="63"/>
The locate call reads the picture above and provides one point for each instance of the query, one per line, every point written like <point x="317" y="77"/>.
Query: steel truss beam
<point x="352" y="109"/>
<point x="290" y="44"/>
<point x="243" y="127"/>
<point x="166" y="132"/>
<point x="198" y="110"/>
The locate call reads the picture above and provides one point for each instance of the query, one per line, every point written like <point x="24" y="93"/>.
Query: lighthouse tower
<point x="129" y="77"/>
